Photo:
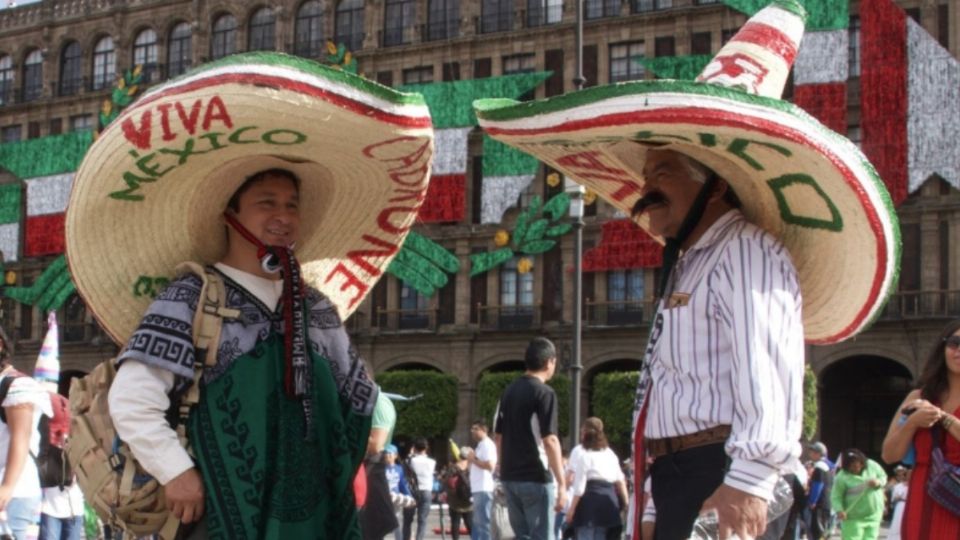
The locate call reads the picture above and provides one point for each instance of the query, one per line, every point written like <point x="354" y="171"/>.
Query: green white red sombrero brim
<point x="807" y="185"/>
<point x="150" y="192"/>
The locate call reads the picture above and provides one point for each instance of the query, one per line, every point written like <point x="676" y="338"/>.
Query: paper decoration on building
<point x="910" y="101"/>
<point x="423" y="264"/>
<point x="446" y="200"/>
<point x="451" y="108"/>
<point x="446" y="197"/>
<point x="623" y="246"/>
<point x="47" y="199"/>
<point x="45" y="156"/>
<point x="676" y="67"/>
<point x="122" y="95"/>
<point x="51" y="289"/>
<point x="10" y="209"/>
<point x="536" y="231"/>
<point x="821" y="14"/>
<point x="339" y="57"/>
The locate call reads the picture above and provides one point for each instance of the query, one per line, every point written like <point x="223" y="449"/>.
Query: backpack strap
<point x="207" y="323"/>
<point x="5" y="388"/>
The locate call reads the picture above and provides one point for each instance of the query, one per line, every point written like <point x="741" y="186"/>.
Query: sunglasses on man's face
<point x="953" y="342"/>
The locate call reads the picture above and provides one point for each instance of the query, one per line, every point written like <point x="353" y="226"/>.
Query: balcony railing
<point x="509" y="317"/>
<point x="618" y="312"/>
<point x="923" y="305"/>
<point x="405" y="320"/>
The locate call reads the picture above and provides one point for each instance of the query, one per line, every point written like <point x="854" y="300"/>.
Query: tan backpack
<point x="113" y="482"/>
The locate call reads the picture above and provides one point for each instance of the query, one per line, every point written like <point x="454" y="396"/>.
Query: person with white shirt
<point x="599" y="486"/>
<point x="280" y="456"/>
<point x="483" y="461"/>
<point x="22" y="404"/>
<point x="424" y="467"/>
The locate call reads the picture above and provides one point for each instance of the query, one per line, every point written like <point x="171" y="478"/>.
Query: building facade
<point x="59" y="60"/>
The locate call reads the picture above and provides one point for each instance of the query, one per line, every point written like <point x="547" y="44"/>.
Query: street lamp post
<point x="576" y="366"/>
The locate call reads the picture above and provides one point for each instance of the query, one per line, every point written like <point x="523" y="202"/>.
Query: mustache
<point x="648" y="200"/>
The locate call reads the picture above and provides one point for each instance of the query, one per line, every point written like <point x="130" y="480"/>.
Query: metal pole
<point x="576" y="367"/>
<point x="578" y="79"/>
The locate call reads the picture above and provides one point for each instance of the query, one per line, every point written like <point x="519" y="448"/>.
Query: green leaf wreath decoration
<point x="534" y="232"/>
<point x="122" y="95"/>
<point x="49" y="291"/>
<point x="339" y="57"/>
<point x="423" y="264"/>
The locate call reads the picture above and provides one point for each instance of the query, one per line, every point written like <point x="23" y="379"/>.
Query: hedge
<point x="432" y="415"/>
<point x="810" y="406"/>
<point x="492" y="385"/>
<point x="612" y="401"/>
<point x="613" y="397"/>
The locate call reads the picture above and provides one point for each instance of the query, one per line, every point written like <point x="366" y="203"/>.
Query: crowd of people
<point x="239" y="391"/>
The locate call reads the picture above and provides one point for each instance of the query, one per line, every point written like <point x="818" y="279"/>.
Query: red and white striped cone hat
<point x="805" y="184"/>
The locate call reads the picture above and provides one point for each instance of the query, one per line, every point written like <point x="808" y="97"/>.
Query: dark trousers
<point x="455" y="518"/>
<point x="681" y="482"/>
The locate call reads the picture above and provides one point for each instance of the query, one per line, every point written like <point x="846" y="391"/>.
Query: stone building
<point x="59" y="60"/>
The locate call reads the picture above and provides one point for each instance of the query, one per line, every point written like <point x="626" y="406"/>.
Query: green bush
<point x="810" y="406"/>
<point x="612" y="401"/>
<point x="432" y="415"/>
<point x="492" y="385"/>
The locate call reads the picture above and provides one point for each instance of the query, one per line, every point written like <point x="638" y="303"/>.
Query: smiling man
<point x="292" y="436"/>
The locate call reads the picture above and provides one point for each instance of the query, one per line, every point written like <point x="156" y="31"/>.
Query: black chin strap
<point x="671" y="251"/>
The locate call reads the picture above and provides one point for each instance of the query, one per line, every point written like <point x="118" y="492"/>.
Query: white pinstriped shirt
<point x="734" y="353"/>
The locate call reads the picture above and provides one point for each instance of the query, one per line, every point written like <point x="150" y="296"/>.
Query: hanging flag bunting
<point x="910" y="101"/>
<point x="623" y="246"/>
<point x="10" y="204"/>
<point x="47" y="198"/>
<point x="506" y="172"/>
<point x="47" y="369"/>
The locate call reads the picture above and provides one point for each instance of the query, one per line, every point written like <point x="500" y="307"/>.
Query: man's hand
<point x="561" y="500"/>
<point x="184" y="495"/>
<point x="737" y="512"/>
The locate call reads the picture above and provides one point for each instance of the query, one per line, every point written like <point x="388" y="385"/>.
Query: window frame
<point x="262" y="30"/>
<point x="178" y="62"/>
<point x="308" y="39"/>
<point x="142" y="51"/>
<point x="634" y="70"/>
<point x="350" y="33"/>
<point x="32" y="87"/>
<point x="223" y="39"/>
<point x="71" y="69"/>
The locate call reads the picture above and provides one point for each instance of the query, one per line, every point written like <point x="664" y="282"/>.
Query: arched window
<point x="398" y="22"/>
<point x="145" y="54"/>
<point x="71" y="74"/>
<point x="179" y="54"/>
<point x="104" y="63"/>
<point x="262" y="26"/>
<point x="33" y="75"/>
<point x="308" y="30"/>
<point x="6" y="79"/>
<point x="224" y="38"/>
<point x="443" y="19"/>
<point x="349" y="24"/>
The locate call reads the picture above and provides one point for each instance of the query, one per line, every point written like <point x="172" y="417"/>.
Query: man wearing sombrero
<point x="298" y="184"/>
<point x="756" y="202"/>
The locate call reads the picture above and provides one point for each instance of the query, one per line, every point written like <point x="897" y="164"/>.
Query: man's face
<point x="390" y="458"/>
<point x="270" y="210"/>
<point x="666" y="175"/>
<point x="477" y="433"/>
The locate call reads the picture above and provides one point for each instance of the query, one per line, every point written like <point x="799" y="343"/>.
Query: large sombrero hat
<point x="151" y="190"/>
<point x="807" y="185"/>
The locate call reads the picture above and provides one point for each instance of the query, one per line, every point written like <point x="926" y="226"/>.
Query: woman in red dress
<point x="931" y="409"/>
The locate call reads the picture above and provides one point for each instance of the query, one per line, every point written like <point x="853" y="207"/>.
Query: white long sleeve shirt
<point x="139" y="398"/>
<point x="730" y="351"/>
